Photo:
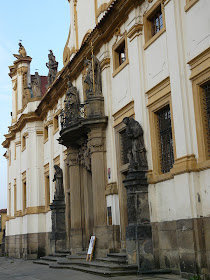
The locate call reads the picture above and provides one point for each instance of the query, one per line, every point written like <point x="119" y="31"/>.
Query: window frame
<point x="24" y="193"/>
<point x="115" y="55"/>
<point x="55" y="123"/>
<point x="149" y="38"/>
<point x="47" y="187"/>
<point x="200" y="74"/>
<point x="23" y="142"/>
<point x="158" y="98"/>
<point x="190" y="4"/>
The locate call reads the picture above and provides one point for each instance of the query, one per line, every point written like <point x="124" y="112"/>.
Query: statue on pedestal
<point x="93" y="77"/>
<point x="22" y="50"/>
<point x="137" y="154"/>
<point x="58" y="177"/>
<point x="52" y="65"/>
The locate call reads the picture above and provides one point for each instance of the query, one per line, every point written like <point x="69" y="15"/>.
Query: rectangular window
<point x="154" y="23"/>
<point x="24" y="196"/>
<point x="55" y="123"/>
<point x="109" y="216"/>
<point x="120" y="55"/>
<point x="45" y="133"/>
<point x="15" y="198"/>
<point x="161" y="132"/>
<point x="47" y="192"/>
<point x="200" y="77"/>
<point x="165" y="139"/>
<point x="23" y="142"/>
<point x="205" y="107"/>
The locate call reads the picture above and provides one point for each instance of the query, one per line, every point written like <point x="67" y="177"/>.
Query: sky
<point x="41" y="25"/>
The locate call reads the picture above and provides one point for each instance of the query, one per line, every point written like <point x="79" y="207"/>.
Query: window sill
<point x="154" y="38"/>
<point x="45" y="140"/>
<point x="190" y="4"/>
<point x="119" y="68"/>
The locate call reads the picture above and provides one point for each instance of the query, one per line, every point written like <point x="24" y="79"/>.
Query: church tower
<point x="21" y="79"/>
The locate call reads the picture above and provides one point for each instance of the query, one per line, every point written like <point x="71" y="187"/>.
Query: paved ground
<point x="18" y="269"/>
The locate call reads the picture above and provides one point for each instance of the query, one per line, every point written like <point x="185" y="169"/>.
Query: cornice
<point x="103" y="32"/>
<point x="30" y="117"/>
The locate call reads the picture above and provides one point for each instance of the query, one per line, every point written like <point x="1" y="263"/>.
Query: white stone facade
<point x="183" y="193"/>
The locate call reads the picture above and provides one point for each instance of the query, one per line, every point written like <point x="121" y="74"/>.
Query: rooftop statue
<point x="93" y="77"/>
<point x="36" y="85"/>
<point x="137" y="154"/>
<point x="22" y="50"/>
<point x="52" y="65"/>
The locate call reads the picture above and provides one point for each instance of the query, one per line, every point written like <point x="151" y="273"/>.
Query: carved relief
<point x="85" y="156"/>
<point x="96" y="145"/>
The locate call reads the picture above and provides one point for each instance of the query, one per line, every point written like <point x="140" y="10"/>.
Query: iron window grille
<point x="109" y="215"/>
<point x="165" y="139"/>
<point x="206" y="106"/>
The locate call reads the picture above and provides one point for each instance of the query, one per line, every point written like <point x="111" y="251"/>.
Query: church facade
<point x="147" y="61"/>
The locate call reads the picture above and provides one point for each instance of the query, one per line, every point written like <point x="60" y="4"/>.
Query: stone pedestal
<point x="58" y="234"/>
<point x="95" y="106"/>
<point x="139" y="246"/>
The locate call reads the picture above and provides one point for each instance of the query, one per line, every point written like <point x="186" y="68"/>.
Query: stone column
<point x="98" y="168"/>
<point x="76" y="239"/>
<point x="138" y="232"/>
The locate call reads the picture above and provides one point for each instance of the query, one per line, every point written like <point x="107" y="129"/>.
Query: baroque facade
<point x="143" y="60"/>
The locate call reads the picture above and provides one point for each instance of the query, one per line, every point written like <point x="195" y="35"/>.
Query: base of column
<point x="139" y="246"/>
<point x="76" y="241"/>
<point x="107" y="240"/>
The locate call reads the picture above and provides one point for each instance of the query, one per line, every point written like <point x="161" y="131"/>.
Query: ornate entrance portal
<point x="84" y="134"/>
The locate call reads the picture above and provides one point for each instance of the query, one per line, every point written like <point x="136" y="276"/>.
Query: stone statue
<point x="93" y="80"/>
<point x="52" y="65"/>
<point x="85" y="158"/>
<point x="137" y="154"/>
<point x="22" y="50"/>
<point x="36" y="85"/>
<point x="58" y="177"/>
<point x="72" y="103"/>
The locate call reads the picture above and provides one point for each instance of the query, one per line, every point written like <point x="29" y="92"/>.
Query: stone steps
<point x="112" y="260"/>
<point x="97" y="264"/>
<point x="102" y="272"/>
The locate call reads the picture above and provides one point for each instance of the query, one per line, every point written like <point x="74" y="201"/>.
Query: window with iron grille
<point x="109" y="215"/>
<point x="206" y="109"/>
<point x="125" y="147"/>
<point x="165" y="139"/>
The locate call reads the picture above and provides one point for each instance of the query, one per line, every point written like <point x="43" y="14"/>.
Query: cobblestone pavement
<point x="19" y="269"/>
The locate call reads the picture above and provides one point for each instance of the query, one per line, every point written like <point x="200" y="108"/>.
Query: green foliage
<point x="198" y="277"/>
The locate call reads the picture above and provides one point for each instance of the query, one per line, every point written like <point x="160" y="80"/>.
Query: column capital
<point x="72" y="157"/>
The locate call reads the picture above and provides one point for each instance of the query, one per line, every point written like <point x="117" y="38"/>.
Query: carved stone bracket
<point x="73" y="158"/>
